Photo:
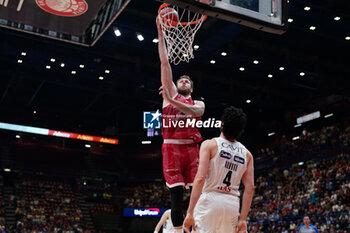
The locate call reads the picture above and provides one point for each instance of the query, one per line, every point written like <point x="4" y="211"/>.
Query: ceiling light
<point x="337" y="18"/>
<point x="139" y="36"/>
<point x="196" y="47"/>
<point x="23" y="53"/>
<point x="281" y="68"/>
<point x="290" y="20"/>
<point x="146" y="142"/>
<point x="48" y="67"/>
<point x="52" y="59"/>
<point x="328" y="115"/>
<point x="347" y="38"/>
<point x="82" y="66"/>
<point x="7" y="170"/>
<point x="241" y="68"/>
<point x="301" y="163"/>
<point x="248" y="101"/>
<point x="212" y="61"/>
<point x="155" y="40"/>
<point x="271" y="134"/>
<point x="301" y="73"/>
<point x="17" y="136"/>
<point x="107" y="71"/>
<point x="19" y="61"/>
<point x="100" y="78"/>
<point x="223" y="54"/>
<point x="117" y="32"/>
<point x="34" y="112"/>
<point x="307" y="8"/>
<point x="87" y="145"/>
<point x="62" y="64"/>
<point x="312" y="28"/>
<point x="269" y="75"/>
<point x="256" y="62"/>
<point x="296" y="138"/>
<point x="296" y="126"/>
<point x="74" y="72"/>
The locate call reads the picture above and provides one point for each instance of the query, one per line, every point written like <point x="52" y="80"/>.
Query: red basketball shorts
<point x="180" y="164"/>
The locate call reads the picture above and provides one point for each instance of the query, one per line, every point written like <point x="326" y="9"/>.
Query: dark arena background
<point x="74" y="154"/>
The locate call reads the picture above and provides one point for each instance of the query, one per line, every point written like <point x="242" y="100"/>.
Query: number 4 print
<point x="227" y="179"/>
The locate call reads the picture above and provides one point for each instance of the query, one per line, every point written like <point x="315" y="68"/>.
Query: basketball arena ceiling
<point x="103" y="90"/>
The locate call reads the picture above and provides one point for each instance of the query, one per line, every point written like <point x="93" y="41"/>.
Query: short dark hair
<point x="185" y="77"/>
<point x="233" y="122"/>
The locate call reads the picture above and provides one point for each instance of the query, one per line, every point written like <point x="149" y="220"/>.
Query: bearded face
<point x="184" y="87"/>
<point x="184" y="92"/>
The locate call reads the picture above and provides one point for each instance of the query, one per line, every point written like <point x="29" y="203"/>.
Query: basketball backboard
<point x="265" y="15"/>
<point x="76" y="21"/>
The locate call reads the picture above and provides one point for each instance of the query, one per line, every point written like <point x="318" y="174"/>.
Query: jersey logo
<point x="225" y="155"/>
<point x="239" y="159"/>
<point x="63" y="7"/>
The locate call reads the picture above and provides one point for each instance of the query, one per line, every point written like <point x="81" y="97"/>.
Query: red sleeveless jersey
<point x="175" y="125"/>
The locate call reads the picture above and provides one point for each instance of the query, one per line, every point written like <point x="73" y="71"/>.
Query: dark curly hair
<point x="233" y="122"/>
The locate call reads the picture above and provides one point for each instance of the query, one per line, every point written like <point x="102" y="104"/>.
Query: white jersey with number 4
<point x="226" y="167"/>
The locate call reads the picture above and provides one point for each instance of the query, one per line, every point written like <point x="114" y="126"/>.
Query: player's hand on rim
<point x="188" y="222"/>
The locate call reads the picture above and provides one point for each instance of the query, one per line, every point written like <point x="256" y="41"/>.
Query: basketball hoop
<point x="179" y="32"/>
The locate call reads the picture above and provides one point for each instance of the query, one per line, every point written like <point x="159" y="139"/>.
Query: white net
<point x="179" y="35"/>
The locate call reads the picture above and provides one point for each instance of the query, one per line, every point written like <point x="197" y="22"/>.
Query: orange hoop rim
<point x="174" y="23"/>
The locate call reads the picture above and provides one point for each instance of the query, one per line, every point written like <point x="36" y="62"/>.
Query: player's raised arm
<point x="166" y="72"/>
<point x="248" y="181"/>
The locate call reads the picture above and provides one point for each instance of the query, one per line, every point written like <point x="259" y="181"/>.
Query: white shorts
<point x="216" y="213"/>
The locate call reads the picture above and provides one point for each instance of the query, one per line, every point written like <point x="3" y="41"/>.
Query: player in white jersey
<point x="165" y="221"/>
<point x="223" y="163"/>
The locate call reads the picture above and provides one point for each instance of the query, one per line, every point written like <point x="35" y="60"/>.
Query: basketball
<point x="169" y="16"/>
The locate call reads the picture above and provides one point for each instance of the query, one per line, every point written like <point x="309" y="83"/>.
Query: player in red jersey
<point x="180" y="147"/>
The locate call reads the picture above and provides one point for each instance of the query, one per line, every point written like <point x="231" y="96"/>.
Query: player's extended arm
<point x="166" y="72"/>
<point x="248" y="181"/>
<point x="162" y="220"/>
<point x="196" y="110"/>
<point x="205" y="152"/>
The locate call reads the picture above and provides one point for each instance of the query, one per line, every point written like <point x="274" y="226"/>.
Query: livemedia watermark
<point x="155" y="120"/>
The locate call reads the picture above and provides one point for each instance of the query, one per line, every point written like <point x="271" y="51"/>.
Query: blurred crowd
<point x="318" y="189"/>
<point x="146" y="195"/>
<point x="2" y="207"/>
<point x="46" y="205"/>
<point x="310" y="144"/>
